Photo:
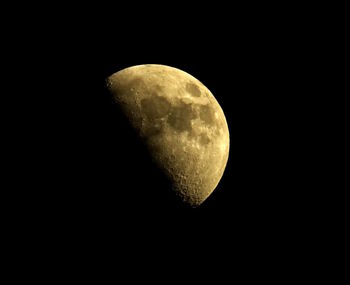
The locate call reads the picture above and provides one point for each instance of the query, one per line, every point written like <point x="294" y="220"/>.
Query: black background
<point x="93" y="188"/>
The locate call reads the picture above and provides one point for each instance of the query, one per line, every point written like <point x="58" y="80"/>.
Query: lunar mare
<point x="181" y="123"/>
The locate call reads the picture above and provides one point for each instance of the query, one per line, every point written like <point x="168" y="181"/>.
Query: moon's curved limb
<point x="181" y="122"/>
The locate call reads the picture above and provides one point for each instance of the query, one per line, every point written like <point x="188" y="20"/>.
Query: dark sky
<point x="85" y="199"/>
<point x="94" y="182"/>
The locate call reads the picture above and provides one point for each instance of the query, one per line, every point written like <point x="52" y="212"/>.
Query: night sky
<point x="85" y="200"/>
<point x="96" y="183"/>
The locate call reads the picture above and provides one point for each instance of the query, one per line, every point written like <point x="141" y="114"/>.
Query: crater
<point x="158" y="87"/>
<point x="181" y="116"/>
<point x="204" y="139"/>
<point x="207" y="114"/>
<point x="193" y="89"/>
<point x="155" y="107"/>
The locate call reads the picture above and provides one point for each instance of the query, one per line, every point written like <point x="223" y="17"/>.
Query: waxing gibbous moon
<point x="181" y="123"/>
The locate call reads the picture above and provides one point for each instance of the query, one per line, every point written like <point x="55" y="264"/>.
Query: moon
<point x="181" y="123"/>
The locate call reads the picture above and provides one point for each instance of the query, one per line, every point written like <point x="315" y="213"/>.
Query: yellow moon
<point x="181" y="123"/>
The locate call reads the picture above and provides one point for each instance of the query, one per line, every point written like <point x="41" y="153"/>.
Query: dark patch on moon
<point x="181" y="116"/>
<point x="193" y="89"/>
<point x="159" y="88"/>
<point x="204" y="139"/>
<point x="155" y="107"/>
<point x="207" y="114"/>
<point x="152" y="129"/>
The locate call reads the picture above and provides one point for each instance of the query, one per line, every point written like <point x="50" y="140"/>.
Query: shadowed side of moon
<point x="180" y="122"/>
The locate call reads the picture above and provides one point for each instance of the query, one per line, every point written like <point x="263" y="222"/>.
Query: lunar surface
<point x="181" y="123"/>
